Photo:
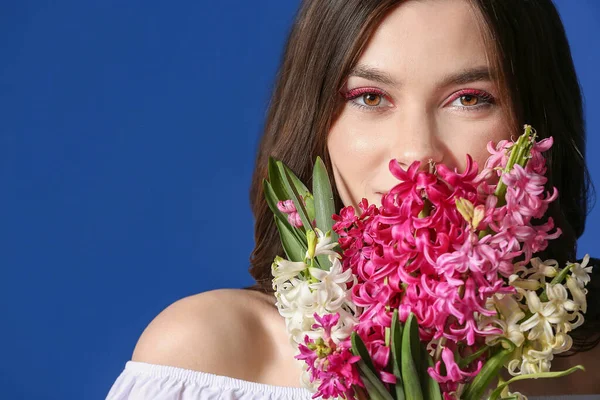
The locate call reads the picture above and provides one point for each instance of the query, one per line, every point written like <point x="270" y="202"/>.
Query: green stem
<point x="426" y="209"/>
<point x="438" y="350"/>
<point x="387" y="329"/>
<point x="557" y="279"/>
<point x="496" y="393"/>
<point x="469" y="359"/>
<point x="519" y="155"/>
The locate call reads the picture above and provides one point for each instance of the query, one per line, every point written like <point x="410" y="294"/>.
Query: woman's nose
<point x="417" y="139"/>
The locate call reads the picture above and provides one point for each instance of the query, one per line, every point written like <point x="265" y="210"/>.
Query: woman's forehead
<point x="430" y="39"/>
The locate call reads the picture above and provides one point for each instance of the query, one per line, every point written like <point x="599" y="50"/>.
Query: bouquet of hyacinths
<point x="433" y="293"/>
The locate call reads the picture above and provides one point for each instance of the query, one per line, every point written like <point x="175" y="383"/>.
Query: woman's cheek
<point x="472" y="138"/>
<point x="355" y="154"/>
<point x="363" y="152"/>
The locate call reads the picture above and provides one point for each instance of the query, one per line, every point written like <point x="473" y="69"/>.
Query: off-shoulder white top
<point x="142" y="381"/>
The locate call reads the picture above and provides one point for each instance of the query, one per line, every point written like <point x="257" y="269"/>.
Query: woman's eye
<point x="471" y="99"/>
<point x="367" y="99"/>
<point x="371" y="99"/>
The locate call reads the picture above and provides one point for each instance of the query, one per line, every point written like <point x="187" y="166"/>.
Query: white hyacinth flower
<point x="509" y="313"/>
<point x="534" y="277"/>
<point x="284" y="270"/>
<point x="578" y="293"/>
<point x="543" y="269"/>
<point x="331" y="286"/>
<point x="320" y="244"/>
<point x="524" y="283"/>
<point x="550" y="316"/>
<point x="296" y="303"/>
<point x="544" y="315"/>
<point x="581" y="272"/>
<point x="296" y="294"/>
<point x="567" y="310"/>
<point x="562" y="342"/>
<point x="303" y="291"/>
<point x="333" y="297"/>
<point x="546" y="330"/>
<point x="533" y="360"/>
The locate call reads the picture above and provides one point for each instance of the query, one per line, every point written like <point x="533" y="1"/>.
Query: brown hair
<point x="527" y="48"/>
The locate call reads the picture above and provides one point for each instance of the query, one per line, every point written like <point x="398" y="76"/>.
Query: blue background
<point x="127" y="138"/>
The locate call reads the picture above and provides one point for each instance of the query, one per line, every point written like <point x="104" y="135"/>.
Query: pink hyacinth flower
<point x="288" y="207"/>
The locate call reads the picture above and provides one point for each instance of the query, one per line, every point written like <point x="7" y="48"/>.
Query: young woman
<point x="363" y="82"/>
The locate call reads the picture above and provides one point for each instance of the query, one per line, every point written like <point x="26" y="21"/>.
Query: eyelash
<point x="486" y="98"/>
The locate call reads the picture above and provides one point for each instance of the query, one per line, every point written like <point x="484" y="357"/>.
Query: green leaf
<point x="298" y="184"/>
<point x="415" y="343"/>
<point x="309" y="204"/>
<point x="279" y="178"/>
<point x="359" y="349"/>
<point x="299" y="205"/>
<point x="410" y="359"/>
<point x="475" y="390"/>
<point x="375" y="388"/>
<point x="272" y="200"/>
<point x="396" y="349"/>
<point x="324" y="204"/>
<point x="431" y="388"/>
<point x="276" y="180"/>
<point x="293" y="247"/>
<point x="557" y="374"/>
<point x="323" y="262"/>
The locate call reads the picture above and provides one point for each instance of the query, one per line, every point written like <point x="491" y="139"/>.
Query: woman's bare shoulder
<point x="224" y="332"/>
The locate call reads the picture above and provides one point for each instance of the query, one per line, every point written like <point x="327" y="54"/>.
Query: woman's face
<point x="421" y="91"/>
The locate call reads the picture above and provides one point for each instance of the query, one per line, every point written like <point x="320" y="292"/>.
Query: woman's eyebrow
<point x="482" y="73"/>
<point x="476" y="74"/>
<point x="372" y="74"/>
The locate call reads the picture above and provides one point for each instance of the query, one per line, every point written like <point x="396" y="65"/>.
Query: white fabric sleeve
<point x="142" y="381"/>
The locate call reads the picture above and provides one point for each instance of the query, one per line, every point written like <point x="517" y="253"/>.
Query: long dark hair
<point x="528" y="48"/>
